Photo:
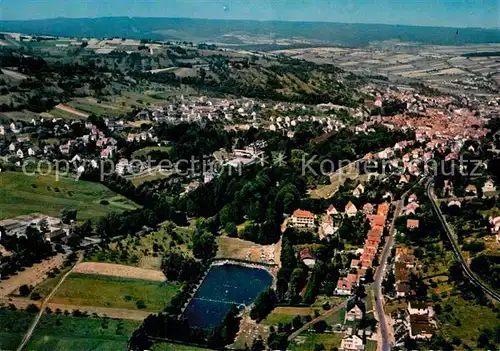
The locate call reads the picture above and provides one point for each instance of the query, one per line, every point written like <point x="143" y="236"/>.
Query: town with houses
<point x="246" y="218"/>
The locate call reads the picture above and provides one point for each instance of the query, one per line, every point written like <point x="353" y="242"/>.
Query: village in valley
<point x="199" y="219"/>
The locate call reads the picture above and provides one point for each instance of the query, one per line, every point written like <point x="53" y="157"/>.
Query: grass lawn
<point x="146" y="150"/>
<point x="473" y="318"/>
<point x="165" y="346"/>
<point x="371" y="345"/>
<point x="286" y="314"/>
<point x="60" y="332"/>
<point x="336" y="318"/>
<point x="12" y="327"/>
<point x="149" y="177"/>
<point x="48" y="284"/>
<point x="114" y="292"/>
<point x="307" y="340"/>
<point x="23" y="194"/>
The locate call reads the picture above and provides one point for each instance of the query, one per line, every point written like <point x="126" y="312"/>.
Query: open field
<point x="286" y="314"/>
<point x="473" y="319"/>
<point x="30" y="276"/>
<point x="336" y="318"/>
<point x="119" y="270"/>
<point x="440" y="67"/>
<point x="146" y="150"/>
<point x="371" y="345"/>
<point x="114" y="292"/>
<point x="139" y="251"/>
<point x="72" y="110"/>
<point x="12" y="327"/>
<point x="23" y="194"/>
<point x="336" y="180"/>
<point x="60" y="332"/>
<point x="246" y="250"/>
<point x="306" y="341"/>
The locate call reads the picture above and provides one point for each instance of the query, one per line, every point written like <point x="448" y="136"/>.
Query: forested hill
<point x="231" y="31"/>
<point x="77" y="72"/>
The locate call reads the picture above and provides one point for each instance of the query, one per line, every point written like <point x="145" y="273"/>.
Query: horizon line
<point x="243" y="20"/>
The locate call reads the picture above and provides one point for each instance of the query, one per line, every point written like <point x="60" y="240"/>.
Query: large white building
<point x="302" y="219"/>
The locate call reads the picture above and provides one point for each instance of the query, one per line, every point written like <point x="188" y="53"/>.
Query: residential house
<point x="307" y="257"/>
<point x="350" y="209"/>
<point x="455" y="202"/>
<point x="359" y="190"/>
<point x="415" y="307"/>
<point x="383" y="209"/>
<point x="344" y="287"/>
<point x="107" y="152"/>
<point x="352" y="343"/>
<point x="404" y="179"/>
<point x="302" y="218"/>
<point x="489" y="186"/>
<point x="122" y="166"/>
<point x="353" y="314"/>
<point x="412" y="198"/>
<point x="20" y="153"/>
<point x="410" y="209"/>
<point x="12" y="147"/>
<point x="471" y="190"/>
<point x="327" y="226"/>
<point x="412" y="223"/>
<point x="421" y="327"/>
<point x="368" y="208"/>
<point x="64" y="148"/>
<point x="331" y="210"/>
<point x="34" y="150"/>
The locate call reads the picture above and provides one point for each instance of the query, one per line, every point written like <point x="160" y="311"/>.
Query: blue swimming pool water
<point x="224" y="286"/>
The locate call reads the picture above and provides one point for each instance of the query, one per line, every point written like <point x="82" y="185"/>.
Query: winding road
<point x="456" y="249"/>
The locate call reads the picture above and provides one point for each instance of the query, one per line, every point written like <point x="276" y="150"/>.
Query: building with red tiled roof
<point x="412" y="223"/>
<point x="350" y="209"/>
<point x="301" y="218"/>
<point x="383" y="209"/>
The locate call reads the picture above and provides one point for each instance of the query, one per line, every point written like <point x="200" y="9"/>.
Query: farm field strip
<point x="119" y="270"/>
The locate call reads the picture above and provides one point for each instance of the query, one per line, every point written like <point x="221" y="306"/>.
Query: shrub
<point x="140" y="304"/>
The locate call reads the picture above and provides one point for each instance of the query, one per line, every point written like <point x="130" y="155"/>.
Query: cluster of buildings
<point x="52" y="228"/>
<point x="377" y="221"/>
<point x="404" y="264"/>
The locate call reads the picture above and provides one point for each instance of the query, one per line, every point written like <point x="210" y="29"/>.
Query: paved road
<point x="380" y="273"/>
<point x="456" y="249"/>
<point x="29" y="332"/>
<point x="315" y="320"/>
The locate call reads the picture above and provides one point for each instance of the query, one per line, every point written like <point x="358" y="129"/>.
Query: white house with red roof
<point x="301" y="218"/>
<point x="350" y="209"/>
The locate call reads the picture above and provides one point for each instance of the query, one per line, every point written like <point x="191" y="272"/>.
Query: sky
<point x="446" y="13"/>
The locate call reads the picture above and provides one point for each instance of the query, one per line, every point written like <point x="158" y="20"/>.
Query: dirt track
<point x="119" y="270"/>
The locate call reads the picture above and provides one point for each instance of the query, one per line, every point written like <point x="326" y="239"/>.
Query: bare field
<point x="245" y="250"/>
<point x="30" y="276"/>
<point x="119" y="270"/>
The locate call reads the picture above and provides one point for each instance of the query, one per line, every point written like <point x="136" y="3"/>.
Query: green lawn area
<point x="146" y="150"/>
<point x="371" y="345"/>
<point x="94" y="107"/>
<point x="473" y="318"/>
<point x="307" y="340"/>
<point x="60" y="332"/>
<point x="164" y="346"/>
<point x="23" y="194"/>
<point x="114" y="292"/>
<point x="48" y="284"/>
<point x="13" y="324"/>
<point x="286" y="314"/>
<point x="336" y="318"/>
